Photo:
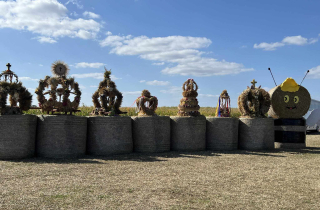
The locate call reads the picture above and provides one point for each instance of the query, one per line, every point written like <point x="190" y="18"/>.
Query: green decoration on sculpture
<point x="254" y="102"/>
<point x="59" y="86"/>
<point x="110" y="97"/>
<point x="17" y="94"/>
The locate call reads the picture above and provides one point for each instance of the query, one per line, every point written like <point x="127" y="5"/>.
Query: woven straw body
<point x="222" y="133"/>
<point x="256" y="133"/>
<point x="17" y="136"/>
<point x="109" y="135"/>
<point x="61" y="136"/>
<point x="151" y="134"/>
<point x="188" y="133"/>
<point x="290" y="133"/>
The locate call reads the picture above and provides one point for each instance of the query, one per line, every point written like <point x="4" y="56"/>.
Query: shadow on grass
<point x="160" y="157"/>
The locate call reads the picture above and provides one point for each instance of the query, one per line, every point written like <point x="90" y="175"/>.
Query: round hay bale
<point x="151" y="134"/>
<point x="290" y="133"/>
<point x="61" y="136"/>
<point x="188" y="133"/>
<point x="109" y="135"/>
<point x="18" y="136"/>
<point x="222" y="133"/>
<point x="286" y="104"/>
<point x="256" y="133"/>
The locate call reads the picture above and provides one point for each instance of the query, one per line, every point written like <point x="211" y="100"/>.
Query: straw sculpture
<point x="110" y="97"/>
<point x="54" y="104"/>
<point x="223" y="107"/>
<point x="289" y="100"/>
<point x="17" y="94"/>
<point x="189" y="103"/>
<point x="254" y="102"/>
<point x="146" y="104"/>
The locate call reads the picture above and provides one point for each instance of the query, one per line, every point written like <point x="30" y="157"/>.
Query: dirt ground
<point x="277" y="179"/>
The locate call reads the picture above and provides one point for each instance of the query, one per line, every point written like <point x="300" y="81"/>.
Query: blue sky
<point x="157" y="45"/>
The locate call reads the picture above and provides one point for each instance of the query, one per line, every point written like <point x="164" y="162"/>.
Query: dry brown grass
<point x="280" y="179"/>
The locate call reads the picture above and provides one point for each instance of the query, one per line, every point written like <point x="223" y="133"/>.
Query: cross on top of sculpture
<point x="8" y="74"/>
<point x="254" y="82"/>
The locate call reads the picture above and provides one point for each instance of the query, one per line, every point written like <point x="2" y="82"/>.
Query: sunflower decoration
<point x="17" y="94"/>
<point x="60" y="87"/>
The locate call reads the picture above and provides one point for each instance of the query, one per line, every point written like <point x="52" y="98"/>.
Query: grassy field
<point x="278" y="179"/>
<point x="161" y="111"/>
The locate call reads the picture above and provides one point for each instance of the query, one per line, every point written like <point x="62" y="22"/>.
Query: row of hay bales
<point x="62" y="136"/>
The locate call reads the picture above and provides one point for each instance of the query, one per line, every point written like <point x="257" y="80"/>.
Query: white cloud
<point x="94" y="76"/>
<point x="295" y="40"/>
<point x="89" y="65"/>
<point x="82" y="87"/>
<point x="40" y="65"/>
<point x="108" y="33"/>
<point x="31" y="89"/>
<point x="315" y="72"/>
<point x="48" y="18"/>
<point x="131" y="92"/>
<point x="244" y="46"/>
<point x="27" y="79"/>
<point x="178" y="50"/>
<point x="75" y="2"/>
<point x="207" y="96"/>
<point x="88" y="75"/>
<point x="155" y="82"/>
<point x="43" y="39"/>
<point x="158" y="64"/>
<point x="93" y="86"/>
<point x="268" y="46"/>
<point x="91" y="15"/>
<point x="289" y="40"/>
<point x="172" y="90"/>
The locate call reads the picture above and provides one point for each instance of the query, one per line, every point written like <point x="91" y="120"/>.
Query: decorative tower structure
<point x="189" y="103"/>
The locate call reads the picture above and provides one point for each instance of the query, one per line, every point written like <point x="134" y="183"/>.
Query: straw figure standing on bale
<point x="146" y="104"/>
<point x="189" y="103"/>
<point x="17" y="94"/>
<point x="223" y="107"/>
<point x="254" y="102"/>
<point x="289" y="100"/>
<point x="60" y="70"/>
<point x="110" y="97"/>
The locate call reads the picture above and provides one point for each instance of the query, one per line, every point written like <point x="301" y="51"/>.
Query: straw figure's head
<point x="17" y="94"/>
<point x="254" y="102"/>
<point x="223" y="107"/>
<point x="289" y="100"/>
<point x="146" y="104"/>
<point x="59" y="89"/>
<point x="110" y="97"/>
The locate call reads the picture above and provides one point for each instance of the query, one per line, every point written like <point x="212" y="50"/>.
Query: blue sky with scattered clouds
<point x="157" y="45"/>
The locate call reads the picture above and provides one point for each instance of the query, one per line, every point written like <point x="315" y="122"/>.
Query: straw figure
<point x="189" y="104"/>
<point x="146" y="104"/>
<point x="289" y="100"/>
<point x="107" y="92"/>
<point x="223" y="107"/>
<point x="254" y="102"/>
<point x="17" y="94"/>
<point x="61" y="87"/>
